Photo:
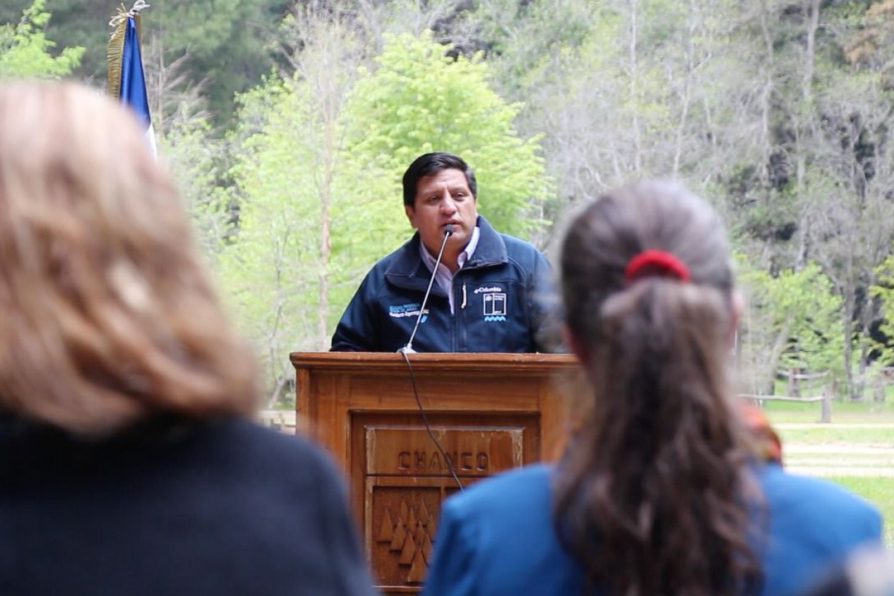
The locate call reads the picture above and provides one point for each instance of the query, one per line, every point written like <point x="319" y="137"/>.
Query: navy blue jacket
<point x="498" y="301"/>
<point x="173" y="507"/>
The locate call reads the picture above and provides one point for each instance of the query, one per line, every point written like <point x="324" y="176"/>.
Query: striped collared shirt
<point x="444" y="277"/>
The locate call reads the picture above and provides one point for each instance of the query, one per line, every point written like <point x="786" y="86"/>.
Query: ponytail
<point x="651" y="494"/>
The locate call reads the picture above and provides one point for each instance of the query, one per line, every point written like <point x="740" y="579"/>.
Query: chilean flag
<point x="132" y="86"/>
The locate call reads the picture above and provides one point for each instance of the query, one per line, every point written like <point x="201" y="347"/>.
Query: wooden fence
<point x="824" y="400"/>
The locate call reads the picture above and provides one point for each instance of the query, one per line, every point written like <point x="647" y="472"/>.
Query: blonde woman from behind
<point x="128" y="463"/>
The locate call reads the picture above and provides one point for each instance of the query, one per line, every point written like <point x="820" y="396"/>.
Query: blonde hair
<point x="107" y="315"/>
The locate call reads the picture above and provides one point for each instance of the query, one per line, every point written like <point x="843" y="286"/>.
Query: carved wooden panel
<point x="406" y="478"/>
<point x="402" y="525"/>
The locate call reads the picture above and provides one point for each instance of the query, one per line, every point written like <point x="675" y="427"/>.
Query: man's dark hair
<point x="432" y="163"/>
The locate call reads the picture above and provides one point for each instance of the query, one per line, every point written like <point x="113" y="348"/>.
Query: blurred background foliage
<point x="289" y="124"/>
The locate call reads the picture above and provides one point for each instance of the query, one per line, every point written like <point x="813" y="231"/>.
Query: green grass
<point x="854" y="425"/>
<point x="878" y="491"/>
<point x="843" y="412"/>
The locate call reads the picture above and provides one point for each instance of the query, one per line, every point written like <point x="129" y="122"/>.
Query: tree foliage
<point x="289" y="269"/>
<point x="25" y="50"/>
<point x="779" y="112"/>
<point x="883" y="291"/>
<point x="229" y="43"/>
<point x="319" y="171"/>
<point x="419" y="99"/>
<point x="798" y="314"/>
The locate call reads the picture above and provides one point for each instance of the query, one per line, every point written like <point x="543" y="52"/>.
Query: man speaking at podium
<point x="488" y="287"/>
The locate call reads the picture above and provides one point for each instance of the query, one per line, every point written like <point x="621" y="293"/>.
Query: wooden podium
<point x="490" y="412"/>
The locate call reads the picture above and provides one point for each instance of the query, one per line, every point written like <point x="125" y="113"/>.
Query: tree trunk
<point x="878" y="389"/>
<point x="782" y="338"/>
<point x="634" y="85"/>
<point x="848" y="351"/>
<point x="794" y="383"/>
<point x="826" y="409"/>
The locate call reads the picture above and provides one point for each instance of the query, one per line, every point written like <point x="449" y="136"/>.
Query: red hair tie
<point x="656" y="262"/>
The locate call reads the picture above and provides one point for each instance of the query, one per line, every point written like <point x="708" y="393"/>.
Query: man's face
<point x="441" y="199"/>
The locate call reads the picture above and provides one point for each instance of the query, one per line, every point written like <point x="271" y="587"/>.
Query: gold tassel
<point x="115" y="51"/>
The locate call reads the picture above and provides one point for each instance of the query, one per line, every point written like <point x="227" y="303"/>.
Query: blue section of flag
<point x="133" y="82"/>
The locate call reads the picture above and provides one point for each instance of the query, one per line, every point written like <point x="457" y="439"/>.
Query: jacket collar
<point x="491" y="249"/>
<point x="408" y="271"/>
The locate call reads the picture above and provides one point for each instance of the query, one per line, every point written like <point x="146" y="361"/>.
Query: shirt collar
<point x="461" y="260"/>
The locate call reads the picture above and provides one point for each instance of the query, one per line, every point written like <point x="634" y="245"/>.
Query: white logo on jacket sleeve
<point x="400" y="311"/>
<point x="494" y="306"/>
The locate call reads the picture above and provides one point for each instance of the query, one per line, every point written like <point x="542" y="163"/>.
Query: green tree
<point x="229" y="44"/>
<point x="849" y="157"/>
<point x="196" y="157"/>
<point x="290" y="268"/>
<point x="623" y="89"/>
<point x="883" y="290"/>
<point x="793" y="321"/>
<point x="25" y="50"/>
<point x="419" y="99"/>
<point x="318" y="166"/>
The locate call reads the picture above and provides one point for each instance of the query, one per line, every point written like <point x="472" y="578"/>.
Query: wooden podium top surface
<point x="444" y="361"/>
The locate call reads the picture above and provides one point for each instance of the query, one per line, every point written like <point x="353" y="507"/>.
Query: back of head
<point x="657" y="471"/>
<point x="108" y="313"/>
<point x="429" y="164"/>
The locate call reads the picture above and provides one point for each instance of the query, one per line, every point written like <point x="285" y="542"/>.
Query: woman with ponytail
<point x="661" y="490"/>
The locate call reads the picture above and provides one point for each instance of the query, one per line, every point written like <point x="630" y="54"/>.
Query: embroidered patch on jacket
<point x="484" y="289"/>
<point x="399" y="311"/>
<point x="494" y="306"/>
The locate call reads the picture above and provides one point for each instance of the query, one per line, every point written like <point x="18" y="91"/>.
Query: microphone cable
<point x="408" y="349"/>
<point x="447" y="459"/>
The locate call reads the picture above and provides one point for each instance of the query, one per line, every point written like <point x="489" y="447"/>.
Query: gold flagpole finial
<point x="124" y="14"/>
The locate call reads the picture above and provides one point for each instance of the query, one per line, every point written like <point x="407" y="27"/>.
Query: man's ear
<point x="576" y="346"/>
<point x="411" y="215"/>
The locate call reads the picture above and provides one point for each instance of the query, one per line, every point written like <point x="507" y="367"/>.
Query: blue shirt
<point x="497" y="538"/>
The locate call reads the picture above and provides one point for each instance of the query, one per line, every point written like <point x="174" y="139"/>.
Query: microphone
<point x="408" y="349"/>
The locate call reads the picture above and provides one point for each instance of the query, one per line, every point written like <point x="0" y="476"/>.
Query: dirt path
<point x="840" y="459"/>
